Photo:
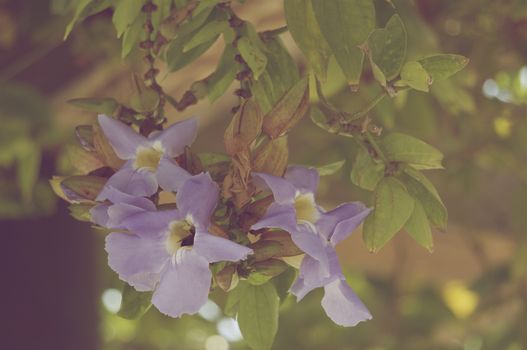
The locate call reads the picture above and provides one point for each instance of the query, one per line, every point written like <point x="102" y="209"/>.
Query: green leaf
<point x="134" y="304"/>
<point x="125" y="13"/>
<point x="265" y="270"/>
<point x="407" y="149"/>
<point x="80" y="211"/>
<point x="305" y="30"/>
<point x="213" y="158"/>
<point x="443" y="66"/>
<point x="346" y="24"/>
<point x="178" y="59"/>
<point x="422" y="189"/>
<point x="85" y="8"/>
<point x="219" y="81"/>
<point x="233" y="299"/>
<point x="204" y="5"/>
<point x="258" y="315"/>
<point x="365" y="172"/>
<point x="105" y="105"/>
<point x="255" y="58"/>
<point x="387" y="47"/>
<point x="283" y="282"/>
<point x="415" y="76"/>
<point x="281" y="72"/>
<point x="392" y="208"/>
<point x="208" y="32"/>
<point x="320" y="120"/>
<point x="331" y="168"/>
<point x="418" y="228"/>
<point x="132" y="35"/>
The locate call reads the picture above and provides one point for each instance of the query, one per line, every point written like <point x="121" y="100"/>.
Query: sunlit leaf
<point x="443" y="66"/>
<point x="404" y="148"/>
<point x="387" y="47"/>
<point x="422" y="189"/>
<point x="258" y="315"/>
<point x="345" y="25"/>
<point x="365" y="172"/>
<point x="125" y="13"/>
<point x="415" y="76"/>
<point x="418" y="228"/>
<point x="251" y="53"/>
<point x="392" y="208"/>
<point x="134" y="304"/>
<point x="206" y="33"/>
<point x="331" y="168"/>
<point x="305" y="30"/>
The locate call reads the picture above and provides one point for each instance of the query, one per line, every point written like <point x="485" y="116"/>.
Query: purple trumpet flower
<point x="316" y="232"/>
<point x="147" y="159"/>
<point x="169" y="251"/>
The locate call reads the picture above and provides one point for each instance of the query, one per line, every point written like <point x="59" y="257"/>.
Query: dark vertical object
<point x="48" y="285"/>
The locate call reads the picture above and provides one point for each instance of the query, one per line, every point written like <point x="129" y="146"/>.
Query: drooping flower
<point x="169" y="251"/>
<point x="145" y="157"/>
<point x="316" y="232"/>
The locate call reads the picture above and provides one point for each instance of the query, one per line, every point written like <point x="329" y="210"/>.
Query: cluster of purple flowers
<point x="168" y="251"/>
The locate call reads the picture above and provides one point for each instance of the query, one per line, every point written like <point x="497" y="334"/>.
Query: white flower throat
<point x="306" y="210"/>
<point x="148" y="157"/>
<point x="181" y="234"/>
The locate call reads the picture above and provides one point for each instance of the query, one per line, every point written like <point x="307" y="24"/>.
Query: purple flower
<point x="169" y="251"/>
<point x="316" y="232"/>
<point x="149" y="161"/>
<point x="117" y="206"/>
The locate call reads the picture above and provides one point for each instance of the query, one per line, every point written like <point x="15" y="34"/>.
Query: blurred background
<point x="470" y="293"/>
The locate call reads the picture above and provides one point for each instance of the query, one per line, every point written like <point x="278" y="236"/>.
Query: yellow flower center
<point x="305" y="208"/>
<point x="181" y="233"/>
<point x="148" y="157"/>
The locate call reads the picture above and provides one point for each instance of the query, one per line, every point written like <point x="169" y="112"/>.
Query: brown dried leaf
<point x="272" y="157"/>
<point x="244" y="128"/>
<point x="288" y="111"/>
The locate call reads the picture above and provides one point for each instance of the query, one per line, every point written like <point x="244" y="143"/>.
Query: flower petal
<point x="184" y="285"/>
<point x="115" y="196"/>
<point x="151" y="223"/>
<point x="278" y="216"/>
<point x="304" y="179"/>
<point x="123" y="138"/>
<point x="300" y="289"/>
<point x="306" y="238"/>
<point x="337" y="224"/>
<point x="138" y="260"/>
<point x="198" y="197"/>
<point x="99" y="214"/>
<point x="117" y="213"/>
<point x="283" y="191"/>
<point x="171" y="176"/>
<point x="345" y="227"/>
<point x="135" y="182"/>
<point x="342" y="305"/>
<point x="214" y="248"/>
<point x="177" y="136"/>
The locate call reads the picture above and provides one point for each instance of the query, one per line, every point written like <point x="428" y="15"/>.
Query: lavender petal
<point x="184" y="285"/>
<point x="138" y="260"/>
<point x="124" y="139"/>
<point x="214" y="248"/>
<point x="342" y="305"/>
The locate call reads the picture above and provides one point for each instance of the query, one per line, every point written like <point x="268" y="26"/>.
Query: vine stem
<point x="368" y="107"/>
<point x="150" y="57"/>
